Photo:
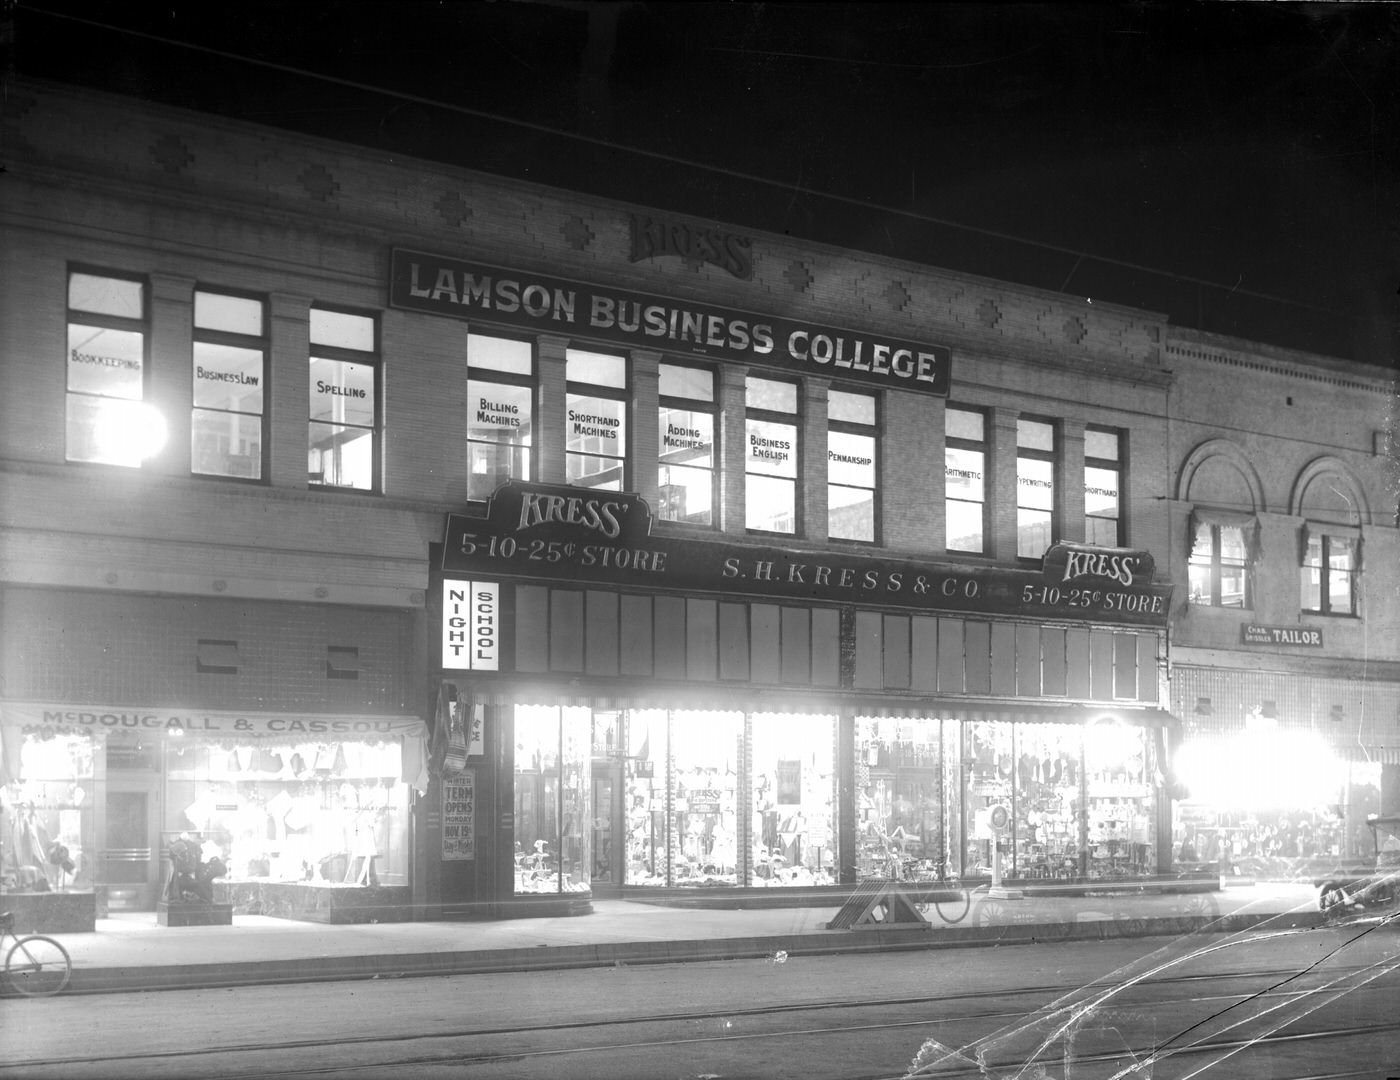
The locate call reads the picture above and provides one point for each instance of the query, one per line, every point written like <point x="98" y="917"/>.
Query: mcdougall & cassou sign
<point x="555" y="532"/>
<point x="445" y="286"/>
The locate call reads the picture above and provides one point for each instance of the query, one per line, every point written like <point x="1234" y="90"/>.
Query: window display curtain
<point x="1204" y="515"/>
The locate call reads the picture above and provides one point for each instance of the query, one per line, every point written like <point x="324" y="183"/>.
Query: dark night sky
<point x="1236" y="166"/>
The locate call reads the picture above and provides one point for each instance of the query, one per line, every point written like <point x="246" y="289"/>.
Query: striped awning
<point x="748" y="699"/>
<point x="1372" y="755"/>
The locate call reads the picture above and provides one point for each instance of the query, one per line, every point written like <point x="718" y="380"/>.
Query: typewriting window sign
<point x="459" y="817"/>
<point x="471" y="625"/>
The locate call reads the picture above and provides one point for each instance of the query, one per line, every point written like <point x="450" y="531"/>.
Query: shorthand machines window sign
<point x="568" y="533"/>
<point x="446" y="286"/>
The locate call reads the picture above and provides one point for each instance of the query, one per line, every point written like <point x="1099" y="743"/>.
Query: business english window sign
<point x="540" y="303"/>
<point x="471" y="620"/>
<point x="560" y="533"/>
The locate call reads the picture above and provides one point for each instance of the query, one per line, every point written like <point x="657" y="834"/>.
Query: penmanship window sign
<point x="550" y="532"/>
<point x="471" y="621"/>
<point x="441" y="285"/>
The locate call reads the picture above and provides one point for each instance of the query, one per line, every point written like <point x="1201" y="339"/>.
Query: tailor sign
<point x="1304" y="636"/>
<point x="539" y="303"/>
<point x="570" y="534"/>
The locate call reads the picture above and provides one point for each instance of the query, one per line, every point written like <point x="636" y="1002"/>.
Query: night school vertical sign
<point x="471" y="625"/>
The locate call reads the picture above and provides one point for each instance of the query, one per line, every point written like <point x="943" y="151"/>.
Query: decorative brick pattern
<point x="576" y="231"/>
<point x="1075" y="330"/>
<point x="798" y="276"/>
<point x="988" y="314"/>
<point x="453" y="209"/>
<point x="319" y="183"/>
<point x="171" y="154"/>
<point x="897" y="296"/>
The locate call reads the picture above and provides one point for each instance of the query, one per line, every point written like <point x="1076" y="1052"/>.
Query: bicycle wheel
<point x="953" y="906"/>
<point x="38" y="966"/>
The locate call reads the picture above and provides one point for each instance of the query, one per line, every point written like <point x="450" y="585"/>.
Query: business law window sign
<point x="471" y="625"/>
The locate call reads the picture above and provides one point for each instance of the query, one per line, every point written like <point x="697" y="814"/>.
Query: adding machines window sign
<point x="440" y="285"/>
<point x="556" y="532"/>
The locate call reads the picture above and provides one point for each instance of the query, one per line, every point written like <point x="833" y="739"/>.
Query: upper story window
<point x="343" y="430"/>
<point x="1219" y="566"/>
<point x="851" y="468"/>
<point x="595" y="434"/>
<point x="964" y="472"/>
<point x="686" y="445"/>
<point x="108" y="328"/>
<point x="500" y="412"/>
<point x="1036" y="451"/>
<point x="228" y="421"/>
<point x="1103" y="487"/>
<point x="1330" y="568"/>
<point x="770" y="456"/>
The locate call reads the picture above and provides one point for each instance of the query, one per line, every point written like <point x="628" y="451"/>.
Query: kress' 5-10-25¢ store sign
<point x="558" y="533"/>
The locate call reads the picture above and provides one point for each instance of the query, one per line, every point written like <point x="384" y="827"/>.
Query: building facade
<point x="630" y="553"/>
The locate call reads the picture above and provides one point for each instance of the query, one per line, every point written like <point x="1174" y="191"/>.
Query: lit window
<point x="595" y="434"/>
<point x="1035" y="487"/>
<point x="500" y="412"/>
<point x="1103" y="485"/>
<point x="107" y="420"/>
<point x="227" y="436"/>
<point x="1330" y="567"/>
<point x="1219" y="570"/>
<point x="686" y="443"/>
<point x="343" y="436"/>
<point x="964" y="467"/>
<point x="851" y="471"/>
<point x="770" y="456"/>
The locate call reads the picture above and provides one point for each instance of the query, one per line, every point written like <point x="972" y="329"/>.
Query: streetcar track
<point x="728" y="1016"/>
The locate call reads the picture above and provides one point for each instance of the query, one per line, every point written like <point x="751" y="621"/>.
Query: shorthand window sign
<point x="471" y="625"/>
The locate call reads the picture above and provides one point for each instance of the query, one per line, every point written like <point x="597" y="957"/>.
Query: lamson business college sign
<point x="543" y="304"/>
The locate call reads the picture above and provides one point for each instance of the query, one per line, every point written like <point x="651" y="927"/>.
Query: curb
<point x="100" y="980"/>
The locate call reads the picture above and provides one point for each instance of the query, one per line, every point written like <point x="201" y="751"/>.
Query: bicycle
<point x="35" y="965"/>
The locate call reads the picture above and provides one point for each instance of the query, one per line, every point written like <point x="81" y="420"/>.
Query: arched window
<point x="1330" y="542"/>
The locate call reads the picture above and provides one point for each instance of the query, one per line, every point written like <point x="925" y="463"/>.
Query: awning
<point x="1372" y="755"/>
<point x="224" y="728"/>
<point x="748" y="699"/>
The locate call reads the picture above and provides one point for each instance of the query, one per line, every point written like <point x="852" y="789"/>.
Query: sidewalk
<point x="132" y="952"/>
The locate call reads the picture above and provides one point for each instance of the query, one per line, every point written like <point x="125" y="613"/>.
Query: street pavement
<point x="131" y="951"/>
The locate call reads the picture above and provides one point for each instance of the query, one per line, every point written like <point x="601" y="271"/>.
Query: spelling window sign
<point x="471" y="625"/>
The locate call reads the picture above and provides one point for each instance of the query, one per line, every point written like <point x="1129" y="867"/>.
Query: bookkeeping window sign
<point x="467" y="290"/>
<point x="471" y="625"/>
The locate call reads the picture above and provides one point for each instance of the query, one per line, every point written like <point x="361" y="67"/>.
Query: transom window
<point x="964" y="470"/>
<point x="227" y="424"/>
<point x="686" y="445"/>
<point x="770" y="456"/>
<point x="1103" y="483"/>
<point x="1330" y="568"/>
<point x="851" y="468"/>
<point x="595" y="433"/>
<point x="1218" y="569"/>
<point x="1036" y="449"/>
<point x="108" y="330"/>
<point x="343" y="431"/>
<point x="500" y="412"/>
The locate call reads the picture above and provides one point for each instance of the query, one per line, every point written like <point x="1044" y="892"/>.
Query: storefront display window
<point x="47" y="838"/>
<point x="325" y="813"/>
<point x="553" y="778"/>
<point x="794" y="800"/>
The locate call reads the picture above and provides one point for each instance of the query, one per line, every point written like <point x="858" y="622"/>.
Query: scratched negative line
<point x="1072" y="1014"/>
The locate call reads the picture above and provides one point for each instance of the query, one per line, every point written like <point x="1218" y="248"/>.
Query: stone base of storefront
<point x="185" y="914"/>
<point x="317" y="901"/>
<point x="51" y="912"/>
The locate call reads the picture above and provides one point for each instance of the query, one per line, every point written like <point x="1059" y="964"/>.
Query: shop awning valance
<point x="1373" y="755"/>
<point x="583" y="693"/>
<point x="221" y="727"/>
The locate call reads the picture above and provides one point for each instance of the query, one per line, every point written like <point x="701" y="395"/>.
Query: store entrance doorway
<point x="608" y="846"/>
<point x="131" y="844"/>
